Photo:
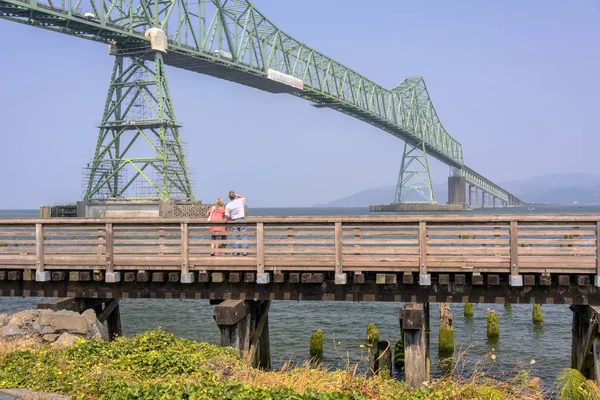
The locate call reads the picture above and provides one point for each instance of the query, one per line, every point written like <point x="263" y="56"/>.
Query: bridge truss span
<point x="232" y="40"/>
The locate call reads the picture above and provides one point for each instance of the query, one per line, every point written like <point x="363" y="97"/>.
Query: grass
<point x="156" y="365"/>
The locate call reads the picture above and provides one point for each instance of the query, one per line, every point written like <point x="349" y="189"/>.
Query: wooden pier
<point x="543" y="259"/>
<point x="483" y="258"/>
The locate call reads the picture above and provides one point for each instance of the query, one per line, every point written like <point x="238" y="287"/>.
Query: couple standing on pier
<point x="234" y="211"/>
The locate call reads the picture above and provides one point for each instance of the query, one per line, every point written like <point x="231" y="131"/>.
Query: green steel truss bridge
<point x="232" y="40"/>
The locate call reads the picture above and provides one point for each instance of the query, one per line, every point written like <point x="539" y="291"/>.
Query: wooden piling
<point x="244" y="326"/>
<point x="493" y="329"/>
<point x="372" y="339"/>
<point x="446" y="331"/>
<point x="415" y="344"/>
<point x="468" y="309"/>
<point x="316" y="345"/>
<point x="399" y="354"/>
<point x="585" y="350"/>
<point x="536" y="314"/>
<point x="384" y="358"/>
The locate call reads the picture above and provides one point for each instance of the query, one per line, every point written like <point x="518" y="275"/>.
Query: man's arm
<point x="239" y="196"/>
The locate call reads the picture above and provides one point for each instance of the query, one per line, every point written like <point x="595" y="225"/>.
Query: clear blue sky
<point x="516" y="82"/>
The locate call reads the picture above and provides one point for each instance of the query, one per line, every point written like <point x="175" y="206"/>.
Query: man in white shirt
<point x="235" y="211"/>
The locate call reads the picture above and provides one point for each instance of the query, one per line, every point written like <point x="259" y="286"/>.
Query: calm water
<point x="344" y="324"/>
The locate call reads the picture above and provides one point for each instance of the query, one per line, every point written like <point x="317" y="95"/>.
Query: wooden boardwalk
<point x="489" y="254"/>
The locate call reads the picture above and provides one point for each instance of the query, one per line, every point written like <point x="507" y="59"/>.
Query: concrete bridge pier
<point x="585" y="340"/>
<point x="457" y="190"/>
<point x="414" y="323"/>
<point x="473" y="196"/>
<point x="244" y="325"/>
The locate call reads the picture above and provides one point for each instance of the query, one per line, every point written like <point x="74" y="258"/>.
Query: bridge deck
<point x="472" y="254"/>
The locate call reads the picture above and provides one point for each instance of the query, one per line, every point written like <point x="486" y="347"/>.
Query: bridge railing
<point x="413" y="244"/>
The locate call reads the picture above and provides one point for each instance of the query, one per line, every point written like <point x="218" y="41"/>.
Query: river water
<point x="344" y="324"/>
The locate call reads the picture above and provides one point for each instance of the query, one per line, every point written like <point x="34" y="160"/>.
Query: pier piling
<point x="415" y="344"/>
<point x="244" y="326"/>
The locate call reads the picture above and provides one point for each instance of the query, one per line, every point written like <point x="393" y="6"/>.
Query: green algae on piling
<point x="493" y="329"/>
<point x="316" y="345"/>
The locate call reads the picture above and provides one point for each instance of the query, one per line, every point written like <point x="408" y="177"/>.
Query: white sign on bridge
<point x="285" y="79"/>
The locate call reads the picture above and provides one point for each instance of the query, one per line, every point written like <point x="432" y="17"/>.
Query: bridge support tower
<point x="414" y="181"/>
<point x="139" y="153"/>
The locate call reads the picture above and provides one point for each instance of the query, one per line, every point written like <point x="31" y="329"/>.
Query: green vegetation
<point x="156" y="365"/>
<point x="493" y="329"/>
<point x="372" y="335"/>
<point x="316" y="345"/>
<point x="468" y="309"/>
<point x="536" y="314"/>
<point x="572" y="385"/>
<point x="507" y="307"/>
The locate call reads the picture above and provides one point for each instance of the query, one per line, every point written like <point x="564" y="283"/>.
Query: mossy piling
<point x="536" y="314"/>
<point x="316" y="345"/>
<point x="493" y="329"/>
<point x="446" y="331"/>
<point x="468" y="310"/>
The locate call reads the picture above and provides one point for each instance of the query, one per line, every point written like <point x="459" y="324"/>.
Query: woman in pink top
<point x="217" y="214"/>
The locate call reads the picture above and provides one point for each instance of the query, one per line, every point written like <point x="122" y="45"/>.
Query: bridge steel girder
<point x="232" y="40"/>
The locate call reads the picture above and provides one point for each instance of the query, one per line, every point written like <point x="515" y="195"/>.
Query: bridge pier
<point x="244" y="325"/>
<point x="457" y="190"/>
<point x="473" y="196"/>
<point x="585" y="350"/>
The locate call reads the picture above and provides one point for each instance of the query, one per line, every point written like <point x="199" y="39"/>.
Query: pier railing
<point x="501" y="244"/>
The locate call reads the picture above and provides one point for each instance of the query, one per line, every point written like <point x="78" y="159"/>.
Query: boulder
<point x="65" y="321"/>
<point x="10" y="332"/>
<point x="48" y="326"/>
<point x="50" y="337"/>
<point x="65" y="340"/>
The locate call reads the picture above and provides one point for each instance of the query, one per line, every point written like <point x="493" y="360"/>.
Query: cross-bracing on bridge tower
<point x="414" y="178"/>
<point x="139" y="153"/>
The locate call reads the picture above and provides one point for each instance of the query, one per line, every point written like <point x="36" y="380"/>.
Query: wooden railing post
<point x="40" y="274"/>
<point x="515" y="279"/>
<point x="424" y="277"/>
<point x="110" y="275"/>
<point x="186" y="275"/>
<point x="262" y="277"/>
<point x="597" y="277"/>
<point x="340" y="277"/>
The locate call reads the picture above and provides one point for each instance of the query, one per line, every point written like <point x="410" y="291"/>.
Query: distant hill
<point x="552" y="188"/>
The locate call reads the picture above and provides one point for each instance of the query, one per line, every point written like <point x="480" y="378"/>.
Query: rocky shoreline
<point x="57" y="328"/>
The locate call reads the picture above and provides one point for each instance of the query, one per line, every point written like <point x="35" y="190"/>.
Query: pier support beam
<point x="457" y="190"/>
<point x="416" y="365"/>
<point x="585" y="350"/>
<point x="244" y="325"/>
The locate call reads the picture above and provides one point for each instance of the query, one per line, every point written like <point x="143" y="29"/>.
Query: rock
<point x="46" y="329"/>
<point x="96" y="330"/>
<point x="65" y="321"/>
<point x="65" y="340"/>
<point x="90" y="315"/>
<point x="26" y="394"/>
<point x="10" y="332"/>
<point x="50" y="337"/>
<point x="2" y="318"/>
